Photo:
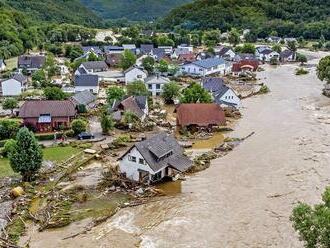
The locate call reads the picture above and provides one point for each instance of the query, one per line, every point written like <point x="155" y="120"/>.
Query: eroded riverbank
<point x="245" y="198"/>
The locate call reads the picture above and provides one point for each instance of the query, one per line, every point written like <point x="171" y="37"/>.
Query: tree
<point x="54" y="93"/>
<point x="211" y="38"/>
<point x="107" y="122"/>
<point x="26" y="158"/>
<point x="9" y="147"/>
<point x="234" y="37"/>
<point x="301" y="58"/>
<point x="171" y="91"/>
<point x="195" y="94"/>
<point x="78" y="126"/>
<point x="162" y="66"/>
<point x="128" y="59"/>
<point x="292" y="45"/>
<point x="10" y="103"/>
<point x="313" y="223"/>
<point x="163" y="40"/>
<point x="73" y="51"/>
<point x="115" y="93"/>
<point x="247" y="48"/>
<point x="277" y="48"/>
<point x="323" y="69"/>
<point x="137" y="88"/>
<point x="39" y="77"/>
<point x="94" y="57"/>
<point x="9" y="128"/>
<point x="148" y="64"/>
<point x="129" y="118"/>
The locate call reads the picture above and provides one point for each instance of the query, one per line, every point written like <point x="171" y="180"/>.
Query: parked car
<point x="84" y="136"/>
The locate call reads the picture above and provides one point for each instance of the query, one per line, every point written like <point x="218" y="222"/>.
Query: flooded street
<point x="245" y="198"/>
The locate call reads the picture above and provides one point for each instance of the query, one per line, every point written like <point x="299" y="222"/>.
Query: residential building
<point x="158" y="54"/>
<point x="146" y="49"/>
<point x="245" y="66"/>
<point x="138" y="105"/>
<point x="222" y="94"/>
<point x="153" y="159"/>
<point x="180" y="51"/>
<point x="225" y="53"/>
<point x="91" y="67"/>
<point x="113" y="59"/>
<point x="287" y="56"/>
<point x="86" y="82"/>
<point x="92" y="49"/>
<point x="267" y="55"/>
<point x="206" y="67"/>
<point x="130" y="47"/>
<point x="274" y="39"/>
<point x="186" y="47"/>
<point x="47" y="116"/>
<point x="86" y="98"/>
<point x="186" y="58"/>
<point x="31" y="63"/>
<point x="113" y="49"/>
<point x="167" y="49"/>
<point x="135" y="74"/>
<point x="199" y="115"/>
<point x="14" y="86"/>
<point x="155" y="84"/>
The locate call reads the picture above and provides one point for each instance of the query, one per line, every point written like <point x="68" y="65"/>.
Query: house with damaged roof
<point x="138" y="105"/>
<point x="153" y="159"/>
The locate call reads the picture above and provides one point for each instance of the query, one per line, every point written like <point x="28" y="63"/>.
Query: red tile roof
<point x="32" y="109"/>
<point x="200" y="114"/>
<point x="253" y="64"/>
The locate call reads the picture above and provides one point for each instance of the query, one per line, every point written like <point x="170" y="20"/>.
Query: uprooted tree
<point x="26" y="156"/>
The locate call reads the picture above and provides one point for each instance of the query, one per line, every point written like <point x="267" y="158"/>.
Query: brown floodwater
<point x="245" y="198"/>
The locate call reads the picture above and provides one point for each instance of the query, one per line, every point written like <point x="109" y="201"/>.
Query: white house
<point x="91" y="67"/>
<point x="155" y="84"/>
<point x="86" y="82"/>
<point x="222" y="94"/>
<point x="2" y="65"/>
<point x="167" y="49"/>
<point x="151" y="160"/>
<point x="185" y="46"/>
<point x="135" y="73"/>
<point x="14" y="86"/>
<point x="206" y="67"/>
<point x="267" y="54"/>
<point x="225" y="53"/>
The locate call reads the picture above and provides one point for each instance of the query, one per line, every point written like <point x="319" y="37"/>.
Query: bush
<point x="301" y="71"/>
<point x="9" y="147"/>
<point x="264" y="90"/>
<point x="48" y="136"/>
<point x="9" y="128"/>
<point x="78" y="126"/>
<point x="69" y="133"/>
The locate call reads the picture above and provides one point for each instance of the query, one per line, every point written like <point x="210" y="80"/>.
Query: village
<point x="120" y="121"/>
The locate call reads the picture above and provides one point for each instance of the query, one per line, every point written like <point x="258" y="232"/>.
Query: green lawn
<point x="11" y="63"/>
<point x="56" y="154"/>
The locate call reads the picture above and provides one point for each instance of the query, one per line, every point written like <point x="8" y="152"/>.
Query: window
<point x="150" y="86"/>
<point x="132" y="158"/>
<point x="158" y="86"/>
<point x="141" y="161"/>
<point x="139" y="76"/>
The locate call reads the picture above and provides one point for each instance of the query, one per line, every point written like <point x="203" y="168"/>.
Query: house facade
<point x="138" y="105"/>
<point x="86" y="82"/>
<point x="135" y="74"/>
<point x="206" y="67"/>
<point x="155" y="84"/>
<point x="93" y="67"/>
<point x="153" y="159"/>
<point x="14" y="86"/>
<point x="47" y="116"/>
<point x="31" y="63"/>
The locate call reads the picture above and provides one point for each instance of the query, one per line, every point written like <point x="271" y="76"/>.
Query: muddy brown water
<point x="245" y="198"/>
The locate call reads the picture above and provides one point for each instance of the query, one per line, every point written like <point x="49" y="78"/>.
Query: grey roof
<point x="20" y="78"/>
<point x="113" y="48"/>
<point x="31" y="61"/>
<point x="134" y="104"/>
<point x="141" y="101"/>
<point x="182" y="50"/>
<point x="212" y="84"/>
<point x="156" y="79"/>
<point x="266" y="51"/>
<point x="223" y="51"/>
<point x="161" y="151"/>
<point x="84" y="97"/>
<point x="159" y="53"/>
<point x="86" y="80"/>
<point x="146" y="48"/>
<point x="93" y="65"/>
<point x="94" y="49"/>
<point x="286" y="53"/>
<point x="82" y="70"/>
<point x="209" y="63"/>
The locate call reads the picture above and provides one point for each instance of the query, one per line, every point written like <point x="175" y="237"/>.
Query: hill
<point x="59" y="11"/>
<point x="135" y="10"/>
<point x="287" y="17"/>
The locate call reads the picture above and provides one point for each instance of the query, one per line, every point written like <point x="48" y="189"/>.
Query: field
<point x="55" y="154"/>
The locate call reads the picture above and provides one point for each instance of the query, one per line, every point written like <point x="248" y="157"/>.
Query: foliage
<point x="9" y="128"/>
<point x="163" y="40"/>
<point x="129" y="118"/>
<point x="148" y="64"/>
<point x="115" y="93"/>
<point x="292" y="45"/>
<point x="301" y="58"/>
<point x="195" y="94"/>
<point x="39" y="78"/>
<point x="162" y="66"/>
<point x="301" y="71"/>
<point x="81" y="108"/>
<point x="234" y="37"/>
<point x="10" y="103"/>
<point x="9" y="147"/>
<point x="211" y="38"/>
<point x="54" y="93"/>
<point x="246" y="48"/>
<point x="128" y="59"/>
<point x="264" y="89"/>
<point x="313" y="223"/>
<point x="277" y="48"/>
<point x="78" y="126"/>
<point x="27" y="155"/>
<point x="73" y="51"/>
<point x="323" y="69"/>
<point x="137" y="88"/>
<point x="107" y="122"/>
<point x="171" y="91"/>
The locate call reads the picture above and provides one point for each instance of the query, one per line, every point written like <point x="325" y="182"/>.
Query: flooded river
<point x="245" y="198"/>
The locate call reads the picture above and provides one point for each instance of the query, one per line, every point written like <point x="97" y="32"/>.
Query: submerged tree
<point x="313" y="223"/>
<point x="26" y="158"/>
<point x="171" y="91"/>
<point x="195" y="94"/>
<point x="323" y="69"/>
